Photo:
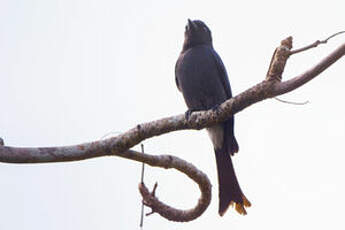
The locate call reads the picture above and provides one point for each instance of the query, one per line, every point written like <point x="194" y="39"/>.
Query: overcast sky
<point x="73" y="71"/>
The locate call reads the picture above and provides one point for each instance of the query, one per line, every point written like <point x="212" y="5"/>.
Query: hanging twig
<point x="291" y="102"/>
<point x="142" y="181"/>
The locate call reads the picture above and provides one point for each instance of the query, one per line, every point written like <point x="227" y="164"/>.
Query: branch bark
<point x="120" y="145"/>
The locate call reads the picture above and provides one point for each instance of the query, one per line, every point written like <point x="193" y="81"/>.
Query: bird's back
<point x="199" y="77"/>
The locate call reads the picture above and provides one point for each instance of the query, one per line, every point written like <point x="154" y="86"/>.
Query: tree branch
<point x="315" y="44"/>
<point x="308" y="75"/>
<point x="171" y="213"/>
<point x="120" y="145"/>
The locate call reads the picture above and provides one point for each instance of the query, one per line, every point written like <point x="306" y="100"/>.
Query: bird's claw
<point x="188" y="113"/>
<point x="216" y="108"/>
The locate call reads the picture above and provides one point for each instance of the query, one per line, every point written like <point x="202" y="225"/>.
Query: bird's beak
<point x="191" y="24"/>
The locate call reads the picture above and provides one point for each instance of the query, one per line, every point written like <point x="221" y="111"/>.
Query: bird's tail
<point x="230" y="192"/>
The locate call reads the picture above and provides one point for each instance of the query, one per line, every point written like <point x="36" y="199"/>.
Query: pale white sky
<point x="72" y="71"/>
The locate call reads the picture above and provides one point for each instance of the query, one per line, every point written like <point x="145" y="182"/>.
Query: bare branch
<point x="171" y="213"/>
<point x="315" y="44"/>
<point x="96" y="149"/>
<point x="120" y="145"/>
<point x="191" y="171"/>
<point x="303" y="78"/>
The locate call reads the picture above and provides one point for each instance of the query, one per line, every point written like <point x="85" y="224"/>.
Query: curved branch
<point x="191" y="171"/>
<point x="167" y="162"/>
<point x="120" y="145"/>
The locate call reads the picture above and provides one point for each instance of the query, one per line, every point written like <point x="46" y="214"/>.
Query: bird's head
<point x="196" y="33"/>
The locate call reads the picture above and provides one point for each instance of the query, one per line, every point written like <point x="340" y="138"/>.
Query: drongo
<point x="201" y="77"/>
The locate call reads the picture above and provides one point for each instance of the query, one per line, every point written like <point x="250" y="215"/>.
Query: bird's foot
<point x="189" y="112"/>
<point x="216" y="108"/>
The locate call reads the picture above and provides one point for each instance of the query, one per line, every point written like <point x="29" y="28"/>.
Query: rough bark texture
<point x="120" y="145"/>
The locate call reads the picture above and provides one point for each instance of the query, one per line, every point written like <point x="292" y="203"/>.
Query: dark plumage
<point x="203" y="81"/>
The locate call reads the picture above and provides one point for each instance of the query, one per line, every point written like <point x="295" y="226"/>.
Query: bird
<point x="202" y="78"/>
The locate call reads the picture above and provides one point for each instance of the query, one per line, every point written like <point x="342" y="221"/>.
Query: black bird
<point x="201" y="77"/>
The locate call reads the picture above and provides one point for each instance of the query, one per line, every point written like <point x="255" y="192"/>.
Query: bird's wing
<point x="176" y="79"/>
<point x="222" y="73"/>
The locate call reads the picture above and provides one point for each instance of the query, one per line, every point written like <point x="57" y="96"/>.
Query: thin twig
<point x="142" y="181"/>
<point x="143" y="165"/>
<point x="333" y="35"/>
<point x="291" y="102"/>
<point x="109" y="133"/>
<point x="315" y="44"/>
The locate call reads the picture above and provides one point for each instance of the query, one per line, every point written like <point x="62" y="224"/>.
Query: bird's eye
<point x="187" y="27"/>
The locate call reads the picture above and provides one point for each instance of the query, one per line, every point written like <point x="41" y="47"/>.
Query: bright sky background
<point x="73" y="71"/>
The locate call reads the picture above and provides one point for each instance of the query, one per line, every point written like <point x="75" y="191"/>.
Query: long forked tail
<point x="230" y="192"/>
<point x="225" y="145"/>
